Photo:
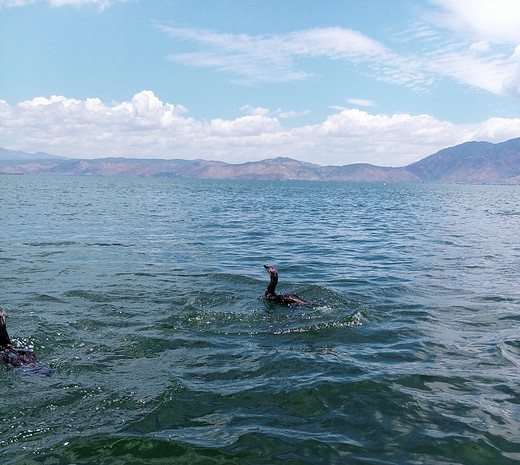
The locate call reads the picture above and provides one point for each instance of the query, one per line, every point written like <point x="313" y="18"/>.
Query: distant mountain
<point x="471" y="162"/>
<point x="15" y="155"/>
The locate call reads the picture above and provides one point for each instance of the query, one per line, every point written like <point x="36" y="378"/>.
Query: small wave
<point x="510" y="350"/>
<point x="351" y="321"/>
<point x="496" y="298"/>
<point x="47" y="298"/>
<point x="198" y="446"/>
<point x="108" y="244"/>
<point x="88" y="295"/>
<point x="51" y="244"/>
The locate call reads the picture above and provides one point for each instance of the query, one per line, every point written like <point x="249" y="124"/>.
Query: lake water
<point x="146" y="298"/>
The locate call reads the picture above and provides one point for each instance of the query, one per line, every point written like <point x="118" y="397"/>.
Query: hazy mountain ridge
<point x="10" y="155"/>
<point x="471" y="162"/>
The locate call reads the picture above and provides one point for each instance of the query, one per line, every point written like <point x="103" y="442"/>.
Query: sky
<point x="328" y="82"/>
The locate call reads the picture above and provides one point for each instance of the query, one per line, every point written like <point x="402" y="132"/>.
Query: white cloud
<point x="292" y="114"/>
<point x="495" y="21"/>
<point x="101" y="4"/>
<point x="254" y="110"/>
<point x="467" y="41"/>
<point x="270" y="58"/>
<point x="480" y="46"/>
<point x="511" y="84"/>
<point x="487" y="73"/>
<point x="276" y="57"/>
<point x="146" y="127"/>
<point x="74" y="127"/>
<point x="489" y="31"/>
<point x="279" y="112"/>
<point x="14" y="3"/>
<point x="251" y="125"/>
<point x="361" y="102"/>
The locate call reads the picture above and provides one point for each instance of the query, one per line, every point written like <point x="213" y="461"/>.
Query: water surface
<point x="146" y="298"/>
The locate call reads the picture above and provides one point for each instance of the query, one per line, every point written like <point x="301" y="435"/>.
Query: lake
<point x="146" y="298"/>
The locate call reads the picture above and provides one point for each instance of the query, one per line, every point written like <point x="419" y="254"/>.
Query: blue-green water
<point x="146" y="297"/>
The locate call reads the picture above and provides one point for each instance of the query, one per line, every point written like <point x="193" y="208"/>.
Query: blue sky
<point x="332" y="82"/>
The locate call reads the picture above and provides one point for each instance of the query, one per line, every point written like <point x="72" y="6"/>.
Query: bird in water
<point x="14" y="357"/>
<point x="291" y="300"/>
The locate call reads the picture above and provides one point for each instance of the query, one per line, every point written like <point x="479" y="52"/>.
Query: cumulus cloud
<point x="91" y="128"/>
<point x="251" y="125"/>
<point x="146" y="127"/>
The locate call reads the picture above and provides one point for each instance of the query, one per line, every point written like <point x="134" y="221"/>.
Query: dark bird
<point x="12" y="356"/>
<point x="283" y="299"/>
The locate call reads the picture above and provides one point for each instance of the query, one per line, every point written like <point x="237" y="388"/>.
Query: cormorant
<point x="283" y="299"/>
<point x="11" y="356"/>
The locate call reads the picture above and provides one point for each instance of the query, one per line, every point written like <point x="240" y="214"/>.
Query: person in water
<point x="283" y="299"/>
<point x="11" y="356"/>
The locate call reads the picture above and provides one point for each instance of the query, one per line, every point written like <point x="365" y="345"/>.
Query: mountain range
<point x="471" y="163"/>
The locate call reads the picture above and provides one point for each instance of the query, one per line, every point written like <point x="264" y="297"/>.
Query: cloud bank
<point x="146" y="127"/>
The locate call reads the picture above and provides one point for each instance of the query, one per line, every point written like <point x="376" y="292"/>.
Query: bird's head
<point x="271" y="270"/>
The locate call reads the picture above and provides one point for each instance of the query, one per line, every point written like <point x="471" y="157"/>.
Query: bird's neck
<point x="4" y="337"/>
<point x="272" y="285"/>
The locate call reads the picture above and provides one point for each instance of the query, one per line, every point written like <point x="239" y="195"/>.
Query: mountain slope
<point x="17" y="155"/>
<point x="471" y="162"/>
